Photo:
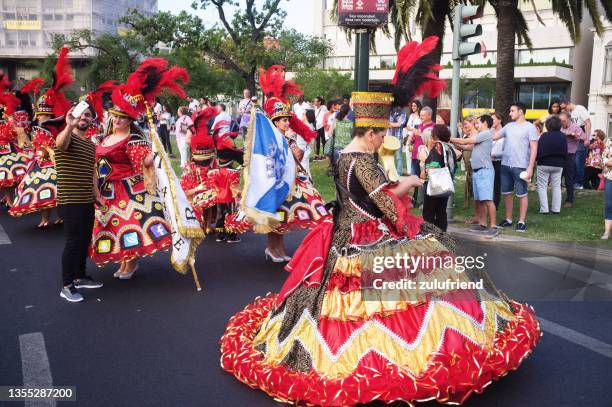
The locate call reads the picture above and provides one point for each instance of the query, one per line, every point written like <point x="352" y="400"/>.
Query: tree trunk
<point x="436" y="26"/>
<point x="504" y="76"/>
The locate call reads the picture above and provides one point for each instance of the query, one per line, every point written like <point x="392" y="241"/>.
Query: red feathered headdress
<point x="202" y="140"/>
<point x="416" y="72"/>
<point x="95" y="98"/>
<point x="42" y="138"/>
<point x="8" y="100"/>
<point x="277" y="90"/>
<point x="53" y="101"/>
<point x="148" y="81"/>
<point x="33" y="86"/>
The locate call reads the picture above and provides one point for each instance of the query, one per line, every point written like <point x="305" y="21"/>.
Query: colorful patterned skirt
<point x="303" y="209"/>
<point x="37" y="190"/>
<point x="331" y="338"/>
<point x="131" y="224"/>
<point x="13" y="164"/>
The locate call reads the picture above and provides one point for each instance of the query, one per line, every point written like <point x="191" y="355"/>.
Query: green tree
<point x="236" y="45"/>
<point x="328" y="84"/>
<point x="115" y="56"/>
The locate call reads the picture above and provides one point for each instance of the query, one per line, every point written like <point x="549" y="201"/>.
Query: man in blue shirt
<point x="520" y="151"/>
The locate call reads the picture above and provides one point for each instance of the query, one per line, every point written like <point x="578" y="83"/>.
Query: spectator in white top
<point x="193" y="104"/>
<point x="300" y="107"/>
<point x="244" y="110"/>
<point x="223" y="121"/>
<point x="163" y="118"/>
<point x="520" y="152"/>
<point x="580" y="116"/>
<point x="319" y="111"/>
<point x="183" y="123"/>
<point x="496" y="156"/>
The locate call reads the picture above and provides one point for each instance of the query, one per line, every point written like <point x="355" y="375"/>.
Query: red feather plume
<point x="416" y="72"/>
<point x="170" y="78"/>
<point x="5" y="84"/>
<point x="273" y="83"/>
<point x="63" y="72"/>
<point x="33" y="86"/>
<point x="301" y="128"/>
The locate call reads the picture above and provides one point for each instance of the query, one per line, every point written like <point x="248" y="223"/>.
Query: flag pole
<point x="162" y="153"/>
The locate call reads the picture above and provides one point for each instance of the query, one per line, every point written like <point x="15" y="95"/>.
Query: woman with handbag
<point x="439" y="170"/>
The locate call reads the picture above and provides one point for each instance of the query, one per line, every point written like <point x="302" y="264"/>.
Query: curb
<point x="560" y="249"/>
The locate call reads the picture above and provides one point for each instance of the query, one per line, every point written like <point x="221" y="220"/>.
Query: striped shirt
<point x="75" y="171"/>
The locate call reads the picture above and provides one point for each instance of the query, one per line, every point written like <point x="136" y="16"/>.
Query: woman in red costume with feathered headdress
<point x="304" y="207"/>
<point x="37" y="192"/>
<point x="131" y="224"/>
<point x="332" y="338"/>
<point x="14" y="141"/>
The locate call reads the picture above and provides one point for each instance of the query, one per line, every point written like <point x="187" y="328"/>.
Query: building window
<point x="608" y="64"/>
<point x="59" y="17"/>
<point x="539" y="96"/>
<point x="47" y="17"/>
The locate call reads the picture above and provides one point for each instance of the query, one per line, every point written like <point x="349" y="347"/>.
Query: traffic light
<point x="464" y="29"/>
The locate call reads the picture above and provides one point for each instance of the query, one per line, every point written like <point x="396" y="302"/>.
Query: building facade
<point x="555" y="67"/>
<point x="28" y="26"/>
<point x="600" y="94"/>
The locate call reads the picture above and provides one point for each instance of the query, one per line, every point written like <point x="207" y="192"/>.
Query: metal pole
<point x="364" y="60"/>
<point x="455" y="95"/>
<point x="356" y="65"/>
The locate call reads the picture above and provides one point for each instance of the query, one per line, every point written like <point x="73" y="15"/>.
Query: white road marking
<point x="35" y="366"/>
<point x="572" y="270"/>
<point x="576" y="337"/>
<point x="4" y="239"/>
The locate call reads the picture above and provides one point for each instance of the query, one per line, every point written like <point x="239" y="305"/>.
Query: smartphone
<point x="79" y="109"/>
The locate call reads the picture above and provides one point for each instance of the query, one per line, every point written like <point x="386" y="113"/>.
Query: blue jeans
<point x="581" y="155"/>
<point x="608" y="199"/>
<point x="399" y="157"/>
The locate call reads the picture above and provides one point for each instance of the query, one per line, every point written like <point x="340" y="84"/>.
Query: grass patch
<point x="582" y="222"/>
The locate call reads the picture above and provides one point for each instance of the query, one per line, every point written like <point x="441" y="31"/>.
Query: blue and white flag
<point x="269" y="173"/>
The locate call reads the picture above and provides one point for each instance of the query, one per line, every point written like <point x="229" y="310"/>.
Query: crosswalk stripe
<point x="572" y="270"/>
<point x="35" y="366"/>
<point x="576" y="337"/>
<point x="4" y="239"/>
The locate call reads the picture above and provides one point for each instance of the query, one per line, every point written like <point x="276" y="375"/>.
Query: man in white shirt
<point x="223" y="121"/>
<point x="193" y="104"/>
<point x="300" y="108"/>
<point x="580" y="116"/>
<point x="244" y="109"/>
<point x="319" y="110"/>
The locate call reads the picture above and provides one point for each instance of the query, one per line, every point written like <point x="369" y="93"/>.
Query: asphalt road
<point x="153" y="340"/>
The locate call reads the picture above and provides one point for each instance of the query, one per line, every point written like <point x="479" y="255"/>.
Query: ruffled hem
<point x="125" y="255"/>
<point x="449" y="378"/>
<point x="18" y="211"/>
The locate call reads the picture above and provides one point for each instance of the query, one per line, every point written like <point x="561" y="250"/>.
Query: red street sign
<point x="363" y="13"/>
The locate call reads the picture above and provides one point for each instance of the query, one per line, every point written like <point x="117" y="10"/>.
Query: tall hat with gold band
<point x="415" y="74"/>
<point x="53" y="102"/>
<point x="277" y="91"/>
<point x="149" y="80"/>
<point x="202" y="143"/>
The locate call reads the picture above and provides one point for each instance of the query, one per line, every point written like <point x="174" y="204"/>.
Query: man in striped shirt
<point x="76" y="193"/>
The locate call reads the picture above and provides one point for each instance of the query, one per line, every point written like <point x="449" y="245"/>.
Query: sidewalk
<point x="589" y="251"/>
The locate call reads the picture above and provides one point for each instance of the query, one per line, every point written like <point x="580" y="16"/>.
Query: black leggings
<point x="78" y="226"/>
<point x="434" y="210"/>
<point x="320" y="141"/>
<point x="497" y="183"/>
<point x="164" y="135"/>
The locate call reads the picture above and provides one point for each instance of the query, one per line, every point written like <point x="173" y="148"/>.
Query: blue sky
<point x="299" y="15"/>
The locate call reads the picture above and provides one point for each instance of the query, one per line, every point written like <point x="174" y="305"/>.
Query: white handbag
<point x="439" y="180"/>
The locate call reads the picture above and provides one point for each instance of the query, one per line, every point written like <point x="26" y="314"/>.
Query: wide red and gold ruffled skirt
<point x="425" y="344"/>
<point x="131" y="224"/>
<point x="13" y="164"/>
<point x="37" y="190"/>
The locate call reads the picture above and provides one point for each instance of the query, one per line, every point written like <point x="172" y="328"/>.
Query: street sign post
<point x="362" y="15"/>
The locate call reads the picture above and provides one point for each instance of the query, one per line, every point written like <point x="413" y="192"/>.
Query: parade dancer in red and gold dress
<point x="331" y="338"/>
<point x="130" y="224"/>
